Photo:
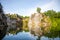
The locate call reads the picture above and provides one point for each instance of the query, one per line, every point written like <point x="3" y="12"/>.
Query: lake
<point x="26" y="36"/>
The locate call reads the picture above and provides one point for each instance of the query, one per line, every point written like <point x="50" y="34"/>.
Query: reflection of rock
<point x="39" y="24"/>
<point x="19" y="23"/>
<point x="3" y="23"/>
<point x="15" y="23"/>
<point x="11" y="23"/>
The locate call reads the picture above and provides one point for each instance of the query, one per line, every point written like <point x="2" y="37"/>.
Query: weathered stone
<point x="39" y="24"/>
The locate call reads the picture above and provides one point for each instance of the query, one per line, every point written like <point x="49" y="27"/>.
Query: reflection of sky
<point x="25" y="36"/>
<point x="26" y="7"/>
<point x="20" y="36"/>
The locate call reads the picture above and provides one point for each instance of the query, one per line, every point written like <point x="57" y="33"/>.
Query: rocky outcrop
<point x="3" y="23"/>
<point x="39" y="24"/>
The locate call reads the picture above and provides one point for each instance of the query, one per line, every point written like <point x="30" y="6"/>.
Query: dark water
<point x="26" y="36"/>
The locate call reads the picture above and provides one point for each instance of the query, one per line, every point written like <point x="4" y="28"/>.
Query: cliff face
<point x="39" y="24"/>
<point x="3" y="23"/>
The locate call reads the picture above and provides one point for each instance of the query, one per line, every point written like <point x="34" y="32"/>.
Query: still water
<point x="26" y="36"/>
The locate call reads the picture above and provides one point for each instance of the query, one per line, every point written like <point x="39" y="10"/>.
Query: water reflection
<point x="19" y="36"/>
<point x="28" y="36"/>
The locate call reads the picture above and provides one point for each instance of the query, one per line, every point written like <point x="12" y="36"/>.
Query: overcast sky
<point x="27" y="7"/>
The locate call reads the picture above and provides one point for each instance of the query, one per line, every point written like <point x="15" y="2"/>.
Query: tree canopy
<point x="38" y="9"/>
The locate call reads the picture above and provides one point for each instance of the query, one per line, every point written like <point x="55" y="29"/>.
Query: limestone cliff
<point x="39" y="24"/>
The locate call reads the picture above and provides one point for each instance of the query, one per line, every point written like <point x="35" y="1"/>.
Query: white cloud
<point x="48" y="6"/>
<point x="28" y="12"/>
<point x="45" y="7"/>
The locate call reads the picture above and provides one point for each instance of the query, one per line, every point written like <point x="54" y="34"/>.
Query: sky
<point x="28" y="7"/>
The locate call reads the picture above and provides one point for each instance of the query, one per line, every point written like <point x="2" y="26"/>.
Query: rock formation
<point x="3" y="23"/>
<point x="39" y="24"/>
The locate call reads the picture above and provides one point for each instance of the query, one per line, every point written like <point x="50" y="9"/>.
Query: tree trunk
<point x="39" y="38"/>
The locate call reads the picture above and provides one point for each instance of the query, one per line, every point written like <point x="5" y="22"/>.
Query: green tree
<point x="50" y="13"/>
<point x="58" y="14"/>
<point x="25" y="23"/>
<point x="38" y="9"/>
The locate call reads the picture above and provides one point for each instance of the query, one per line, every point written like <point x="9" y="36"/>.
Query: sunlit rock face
<point x="39" y="24"/>
<point x="3" y="23"/>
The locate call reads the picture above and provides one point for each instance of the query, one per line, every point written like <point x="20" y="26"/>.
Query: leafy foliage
<point x="38" y="9"/>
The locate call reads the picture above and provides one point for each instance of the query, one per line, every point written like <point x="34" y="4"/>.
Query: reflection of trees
<point x="19" y="23"/>
<point x="39" y="38"/>
<point x="55" y="28"/>
<point x="25" y="23"/>
<point x="53" y="35"/>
